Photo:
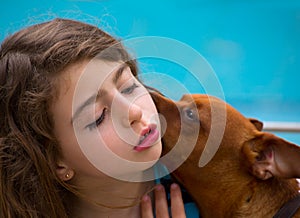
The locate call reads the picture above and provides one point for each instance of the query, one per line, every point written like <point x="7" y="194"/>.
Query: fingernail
<point x="146" y="198"/>
<point x="174" y="186"/>
<point x="159" y="187"/>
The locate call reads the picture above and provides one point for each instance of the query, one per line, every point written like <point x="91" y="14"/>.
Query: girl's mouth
<point x="148" y="137"/>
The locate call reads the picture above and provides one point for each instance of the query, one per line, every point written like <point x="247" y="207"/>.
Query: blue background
<point x="252" y="45"/>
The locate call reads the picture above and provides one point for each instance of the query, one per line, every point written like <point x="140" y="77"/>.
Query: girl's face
<point x="104" y="118"/>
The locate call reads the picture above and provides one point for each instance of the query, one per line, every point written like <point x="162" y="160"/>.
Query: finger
<point x="161" y="205"/>
<point x="177" y="206"/>
<point x="146" y="207"/>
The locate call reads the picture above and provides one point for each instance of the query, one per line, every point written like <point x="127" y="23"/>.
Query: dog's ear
<point x="258" y="124"/>
<point x="267" y="155"/>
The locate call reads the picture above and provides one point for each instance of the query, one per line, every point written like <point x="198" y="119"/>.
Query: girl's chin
<point x="152" y="155"/>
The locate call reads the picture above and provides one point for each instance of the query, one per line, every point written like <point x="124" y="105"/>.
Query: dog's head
<point x="211" y="128"/>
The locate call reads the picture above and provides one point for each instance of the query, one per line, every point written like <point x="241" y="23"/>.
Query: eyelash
<point x="98" y="121"/>
<point x="95" y="124"/>
<point x="130" y="89"/>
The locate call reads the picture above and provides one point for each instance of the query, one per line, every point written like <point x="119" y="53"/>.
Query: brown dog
<point x="246" y="176"/>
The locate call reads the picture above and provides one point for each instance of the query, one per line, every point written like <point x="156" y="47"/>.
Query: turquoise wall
<point x="253" y="46"/>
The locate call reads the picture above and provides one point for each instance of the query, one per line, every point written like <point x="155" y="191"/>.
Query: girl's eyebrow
<point x="119" y="72"/>
<point x="117" y="75"/>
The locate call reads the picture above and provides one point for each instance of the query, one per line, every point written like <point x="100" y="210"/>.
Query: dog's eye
<point x="189" y="114"/>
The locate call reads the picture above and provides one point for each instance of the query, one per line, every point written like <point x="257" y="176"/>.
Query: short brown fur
<point x="248" y="175"/>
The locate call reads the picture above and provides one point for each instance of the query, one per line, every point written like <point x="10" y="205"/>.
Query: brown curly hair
<point x="30" y="60"/>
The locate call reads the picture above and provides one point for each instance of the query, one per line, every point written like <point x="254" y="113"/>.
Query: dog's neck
<point x="244" y="195"/>
<point x="265" y="198"/>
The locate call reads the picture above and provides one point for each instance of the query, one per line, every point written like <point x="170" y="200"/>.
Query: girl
<point x="56" y="126"/>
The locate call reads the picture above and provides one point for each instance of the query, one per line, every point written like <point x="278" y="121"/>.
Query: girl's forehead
<point x="90" y="69"/>
<point x="73" y="71"/>
<point x="69" y="76"/>
<point x="86" y="77"/>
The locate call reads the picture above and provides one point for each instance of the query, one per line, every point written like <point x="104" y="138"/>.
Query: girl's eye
<point x="98" y="121"/>
<point x="130" y="89"/>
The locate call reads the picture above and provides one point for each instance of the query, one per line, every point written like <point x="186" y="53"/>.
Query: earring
<point x="67" y="176"/>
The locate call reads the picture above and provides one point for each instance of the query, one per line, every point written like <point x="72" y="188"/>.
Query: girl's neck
<point x="111" y="199"/>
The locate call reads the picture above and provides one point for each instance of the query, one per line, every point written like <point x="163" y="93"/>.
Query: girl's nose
<point x="126" y="110"/>
<point x="134" y="115"/>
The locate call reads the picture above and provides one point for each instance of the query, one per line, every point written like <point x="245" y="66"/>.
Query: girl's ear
<point x="64" y="172"/>
<point x="267" y="155"/>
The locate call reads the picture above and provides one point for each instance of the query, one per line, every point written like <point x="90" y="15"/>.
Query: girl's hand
<point x="161" y="205"/>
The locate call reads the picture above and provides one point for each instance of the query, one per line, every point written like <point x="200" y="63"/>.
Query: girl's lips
<point x="148" y="137"/>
